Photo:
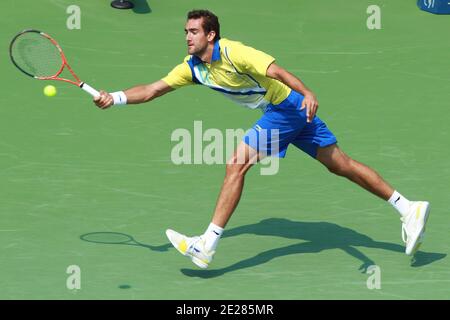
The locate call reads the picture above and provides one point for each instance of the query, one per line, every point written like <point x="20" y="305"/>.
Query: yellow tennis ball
<point x="50" y="91"/>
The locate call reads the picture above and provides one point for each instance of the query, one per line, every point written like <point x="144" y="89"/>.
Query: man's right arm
<point x="145" y="93"/>
<point x="135" y="95"/>
<point x="180" y="76"/>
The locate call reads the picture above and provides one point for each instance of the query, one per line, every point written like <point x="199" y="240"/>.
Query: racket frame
<point x="64" y="64"/>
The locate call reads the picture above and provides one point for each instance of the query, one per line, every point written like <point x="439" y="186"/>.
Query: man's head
<point x="202" y="28"/>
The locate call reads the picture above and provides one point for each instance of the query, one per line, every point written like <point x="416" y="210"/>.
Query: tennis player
<point x="252" y="78"/>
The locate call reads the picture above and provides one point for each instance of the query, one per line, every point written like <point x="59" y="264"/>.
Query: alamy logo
<point x="212" y="146"/>
<point x="73" y="281"/>
<point x="374" y="19"/>
<point x="374" y="281"/>
<point x="74" y="20"/>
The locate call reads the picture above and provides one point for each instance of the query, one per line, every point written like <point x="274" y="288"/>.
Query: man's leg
<point x="230" y="194"/>
<point x="414" y="213"/>
<point x="201" y="249"/>
<point x="237" y="166"/>
<point x="341" y="164"/>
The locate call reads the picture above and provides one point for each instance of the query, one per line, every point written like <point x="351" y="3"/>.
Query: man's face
<point x="197" y="40"/>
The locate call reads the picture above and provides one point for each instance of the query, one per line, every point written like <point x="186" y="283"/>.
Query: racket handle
<point x="89" y="89"/>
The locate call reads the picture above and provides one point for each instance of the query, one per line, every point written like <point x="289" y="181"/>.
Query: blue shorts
<point x="283" y="124"/>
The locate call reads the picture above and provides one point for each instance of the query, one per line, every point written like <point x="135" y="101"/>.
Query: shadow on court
<point x="119" y="239"/>
<point x="316" y="236"/>
<point x="141" y="7"/>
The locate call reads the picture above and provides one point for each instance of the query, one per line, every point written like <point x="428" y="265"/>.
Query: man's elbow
<point x="275" y="72"/>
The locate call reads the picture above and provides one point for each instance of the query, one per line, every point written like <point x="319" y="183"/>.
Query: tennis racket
<point x="39" y="56"/>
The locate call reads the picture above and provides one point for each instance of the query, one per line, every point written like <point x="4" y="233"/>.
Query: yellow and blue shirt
<point x="237" y="71"/>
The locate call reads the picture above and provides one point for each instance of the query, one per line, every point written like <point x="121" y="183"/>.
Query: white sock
<point x="212" y="236"/>
<point x="400" y="203"/>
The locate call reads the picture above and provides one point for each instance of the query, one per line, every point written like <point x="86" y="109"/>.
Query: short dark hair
<point x="210" y="21"/>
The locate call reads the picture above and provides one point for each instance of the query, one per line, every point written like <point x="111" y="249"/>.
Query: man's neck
<point x="206" y="56"/>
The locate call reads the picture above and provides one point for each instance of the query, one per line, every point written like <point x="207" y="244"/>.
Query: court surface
<point x="75" y="181"/>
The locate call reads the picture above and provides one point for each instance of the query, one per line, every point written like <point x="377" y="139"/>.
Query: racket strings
<point x="36" y="55"/>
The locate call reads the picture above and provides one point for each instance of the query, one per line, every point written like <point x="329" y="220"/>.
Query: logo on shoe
<point x="418" y="212"/>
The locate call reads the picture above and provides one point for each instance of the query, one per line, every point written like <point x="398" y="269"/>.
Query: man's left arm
<point x="310" y="102"/>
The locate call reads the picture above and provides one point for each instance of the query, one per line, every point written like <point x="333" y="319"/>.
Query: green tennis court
<point x="77" y="181"/>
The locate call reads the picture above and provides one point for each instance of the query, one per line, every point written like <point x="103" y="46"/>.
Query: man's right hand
<point x="104" y="101"/>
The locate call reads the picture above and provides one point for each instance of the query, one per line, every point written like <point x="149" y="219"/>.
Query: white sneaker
<point x="193" y="247"/>
<point x="413" y="225"/>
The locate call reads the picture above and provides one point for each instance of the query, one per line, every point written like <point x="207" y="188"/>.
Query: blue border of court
<point x="435" y="6"/>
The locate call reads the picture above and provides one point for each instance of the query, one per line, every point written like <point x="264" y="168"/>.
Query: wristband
<point x="119" y="98"/>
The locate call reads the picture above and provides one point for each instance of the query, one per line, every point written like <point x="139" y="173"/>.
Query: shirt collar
<point x="215" y="54"/>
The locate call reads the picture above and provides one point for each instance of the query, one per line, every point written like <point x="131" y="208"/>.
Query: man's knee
<point x="235" y="170"/>
<point x="336" y="161"/>
<point x="237" y="167"/>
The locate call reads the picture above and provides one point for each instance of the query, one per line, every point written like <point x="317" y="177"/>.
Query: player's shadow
<point x="141" y="6"/>
<point x="316" y="236"/>
<point x="118" y="238"/>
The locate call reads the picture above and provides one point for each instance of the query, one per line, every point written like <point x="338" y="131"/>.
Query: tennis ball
<point x="50" y="91"/>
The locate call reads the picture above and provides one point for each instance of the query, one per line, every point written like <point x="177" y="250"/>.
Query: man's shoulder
<point x="223" y="42"/>
<point x="235" y="49"/>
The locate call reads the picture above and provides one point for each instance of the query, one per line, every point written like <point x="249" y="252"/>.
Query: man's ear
<point x="211" y="35"/>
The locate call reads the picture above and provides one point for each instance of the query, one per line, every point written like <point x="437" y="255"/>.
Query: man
<point x="252" y="78"/>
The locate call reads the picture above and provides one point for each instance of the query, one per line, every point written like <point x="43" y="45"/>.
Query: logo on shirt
<point x="429" y="3"/>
